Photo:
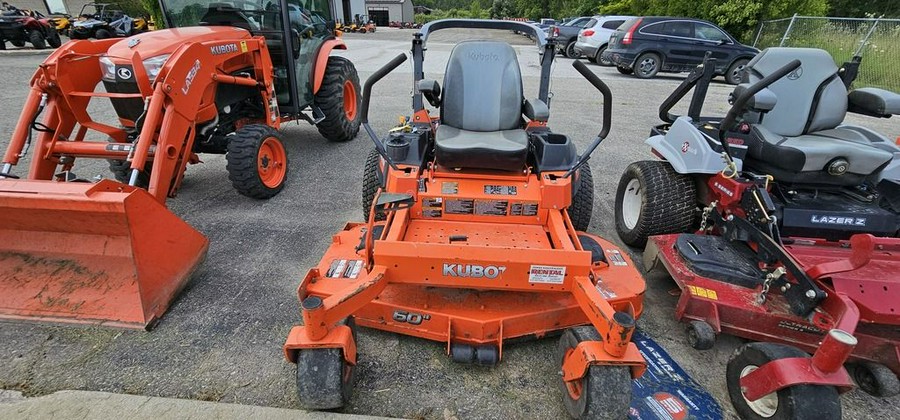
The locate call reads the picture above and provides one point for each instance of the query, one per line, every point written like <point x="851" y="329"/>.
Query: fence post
<point x="762" y="24"/>
<point x="788" y="30"/>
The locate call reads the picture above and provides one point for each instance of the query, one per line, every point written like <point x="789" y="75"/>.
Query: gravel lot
<point x="221" y="341"/>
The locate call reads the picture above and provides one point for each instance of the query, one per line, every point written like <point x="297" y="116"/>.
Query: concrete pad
<point x="76" y="405"/>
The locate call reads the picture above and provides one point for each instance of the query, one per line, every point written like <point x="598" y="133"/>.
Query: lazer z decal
<point x="838" y="220"/>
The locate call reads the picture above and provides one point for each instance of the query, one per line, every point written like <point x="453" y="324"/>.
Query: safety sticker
<point x="491" y="207"/>
<point x="449" y="187"/>
<point x="615" y="257"/>
<point x="344" y="268"/>
<point x="432" y="207"/>
<point x="546" y="274"/>
<point x="243" y="46"/>
<point x="703" y="292"/>
<point x="337" y="268"/>
<point x="459" y="206"/>
<point x="500" y="190"/>
<point x="523" y="209"/>
<point x="606" y="293"/>
<point x="353" y="269"/>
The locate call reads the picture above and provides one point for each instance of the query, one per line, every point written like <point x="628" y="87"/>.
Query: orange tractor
<point x="475" y="236"/>
<point x="223" y="80"/>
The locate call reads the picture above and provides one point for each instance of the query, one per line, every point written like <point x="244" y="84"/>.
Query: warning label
<point x="546" y="274"/>
<point x="459" y="206"/>
<point x="344" y="268"/>
<point x="449" y="187"/>
<point x="523" y="209"/>
<point x="500" y="190"/>
<point x="615" y="257"/>
<point x="491" y="207"/>
<point x="432" y="207"/>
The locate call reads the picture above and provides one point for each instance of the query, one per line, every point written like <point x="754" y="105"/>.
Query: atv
<point x="796" y="244"/>
<point x="475" y="236"/>
<point x="20" y="26"/>
<point x="105" y="23"/>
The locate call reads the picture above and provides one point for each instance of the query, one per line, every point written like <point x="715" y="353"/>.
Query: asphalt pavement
<point x="221" y="340"/>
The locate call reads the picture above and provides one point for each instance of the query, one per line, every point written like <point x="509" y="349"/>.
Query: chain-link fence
<point x="877" y="41"/>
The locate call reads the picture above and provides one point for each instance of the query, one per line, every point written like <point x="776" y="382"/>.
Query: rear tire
<point x="653" y="199"/>
<point x="371" y="184"/>
<point x="569" y="51"/>
<point x="583" y="202"/>
<point x="102" y="34"/>
<point x="736" y="71"/>
<point x="605" y="390"/>
<point x="647" y="65"/>
<point x="257" y="161"/>
<point x="54" y="40"/>
<point x="798" y="402"/>
<point x="599" y="60"/>
<point x="37" y="39"/>
<point x="624" y="70"/>
<point x="19" y="44"/>
<point x="339" y="99"/>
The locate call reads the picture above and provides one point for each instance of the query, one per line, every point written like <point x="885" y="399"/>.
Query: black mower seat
<point x="481" y="111"/>
<point x="801" y="138"/>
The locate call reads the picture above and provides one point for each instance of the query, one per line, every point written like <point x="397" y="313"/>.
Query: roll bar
<point x="510" y="25"/>
<point x="367" y="93"/>
<point x="607" y="114"/>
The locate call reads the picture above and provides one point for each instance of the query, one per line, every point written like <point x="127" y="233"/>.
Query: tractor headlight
<point x="107" y="69"/>
<point x="153" y="65"/>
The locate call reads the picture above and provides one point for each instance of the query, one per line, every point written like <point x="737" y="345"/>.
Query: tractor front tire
<point x="605" y="390"/>
<point x="339" y="100"/>
<point x="102" y="34"/>
<point x="371" y="184"/>
<point x="121" y="170"/>
<point x="583" y="202"/>
<point x="653" y="199"/>
<point x="37" y="39"/>
<point x="798" y="402"/>
<point x="257" y="161"/>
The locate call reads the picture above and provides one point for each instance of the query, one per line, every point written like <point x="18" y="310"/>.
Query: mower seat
<point x="802" y="139"/>
<point x="481" y="109"/>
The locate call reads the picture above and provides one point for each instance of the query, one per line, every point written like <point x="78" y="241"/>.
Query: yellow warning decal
<point x="243" y="46"/>
<point x="703" y="292"/>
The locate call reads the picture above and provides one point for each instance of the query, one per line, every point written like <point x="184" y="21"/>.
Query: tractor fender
<point x="686" y="149"/>
<point x="322" y="60"/>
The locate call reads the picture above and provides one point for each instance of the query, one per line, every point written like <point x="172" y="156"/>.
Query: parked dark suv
<point x="648" y="45"/>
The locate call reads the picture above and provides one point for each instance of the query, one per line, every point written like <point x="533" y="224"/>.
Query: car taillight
<point x="555" y="31"/>
<point x="626" y="40"/>
<point x="588" y="32"/>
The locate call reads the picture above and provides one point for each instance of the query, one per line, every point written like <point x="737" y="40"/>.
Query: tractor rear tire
<point x="37" y="39"/>
<point x="371" y="184"/>
<point x="583" y="202"/>
<point x="102" y="34"/>
<point x="604" y="392"/>
<point x="653" y="199"/>
<point x="324" y="379"/>
<point x="798" y="402"/>
<point x="53" y="39"/>
<point x="339" y="100"/>
<point x="19" y="44"/>
<point x="257" y="161"/>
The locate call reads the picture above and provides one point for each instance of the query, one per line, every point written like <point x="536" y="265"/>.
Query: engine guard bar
<point x="607" y="114"/>
<point x="367" y="93"/>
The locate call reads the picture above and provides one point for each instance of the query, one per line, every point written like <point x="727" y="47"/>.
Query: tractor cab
<point x="293" y="38"/>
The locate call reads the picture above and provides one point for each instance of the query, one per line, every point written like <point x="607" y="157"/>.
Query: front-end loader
<point x="222" y="80"/>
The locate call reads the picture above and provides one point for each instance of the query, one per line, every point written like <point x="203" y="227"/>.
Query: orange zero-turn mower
<point x="475" y="236"/>
<point x="222" y="80"/>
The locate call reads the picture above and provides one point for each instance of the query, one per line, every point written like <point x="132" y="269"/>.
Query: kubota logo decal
<point x="223" y="49"/>
<point x="472" y="270"/>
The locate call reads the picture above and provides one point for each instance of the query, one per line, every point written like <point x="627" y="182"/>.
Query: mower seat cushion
<point x="805" y="158"/>
<point x="502" y="150"/>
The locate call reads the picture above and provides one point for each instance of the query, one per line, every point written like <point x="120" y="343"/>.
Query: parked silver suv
<point x="592" y="40"/>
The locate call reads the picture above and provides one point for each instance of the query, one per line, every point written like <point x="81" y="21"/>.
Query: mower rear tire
<point x="583" y="202"/>
<point x="653" y="199"/>
<point x="605" y="390"/>
<point x="339" y="100"/>
<point x="54" y="40"/>
<point x="102" y="34"/>
<point x="700" y="335"/>
<point x="371" y="184"/>
<point x="798" y="402"/>
<point x="19" y="43"/>
<point x="875" y="379"/>
<point x="36" y="38"/>
<point x="257" y="161"/>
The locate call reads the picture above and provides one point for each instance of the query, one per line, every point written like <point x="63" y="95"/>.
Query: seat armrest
<point x="874" y="102"/>
<point x="536" y="110"/>
<point x="764" y="100"/>
<point x="431" y="90"/>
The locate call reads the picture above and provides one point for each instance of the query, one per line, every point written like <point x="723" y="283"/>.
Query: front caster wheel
<point x="604" y="392"/>
<point x="876" y="379"/>
<point x="700" y="335"/>
<point x="798" y="402"/>
<point x="324" y="378"/>
<point x="257" y="161"/>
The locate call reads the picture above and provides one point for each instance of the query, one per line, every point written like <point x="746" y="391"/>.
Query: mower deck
<point x="733" y="308"/>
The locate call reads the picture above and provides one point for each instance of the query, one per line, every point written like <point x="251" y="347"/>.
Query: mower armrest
<point x="874" y="102"/>
<point x="431" y="90"/>
<point x="763" y="101"/>
<point x="536" y="110"/>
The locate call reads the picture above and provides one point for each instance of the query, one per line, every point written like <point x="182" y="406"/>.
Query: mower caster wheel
<point x="462" y="353"/>
<point x="700" y="335"/>
<point x="257" y="161"/>
<point x="487" y="355"/>
<point x="798" y="402"/>
<point x="324" y="378"/>
<point x="875" y="379"/>
<point x="605" y="390"/>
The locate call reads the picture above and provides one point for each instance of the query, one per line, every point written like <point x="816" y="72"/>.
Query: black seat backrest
<point x="482" y="87"/>
<point x="224" y="14"/>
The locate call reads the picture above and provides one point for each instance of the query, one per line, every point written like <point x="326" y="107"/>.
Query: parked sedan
<point x="566" y="34"/>
<point x="648" y="45"/>
<point x="594" y="38"/>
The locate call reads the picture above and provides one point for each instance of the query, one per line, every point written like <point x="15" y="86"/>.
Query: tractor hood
<point x="166" y="41"/>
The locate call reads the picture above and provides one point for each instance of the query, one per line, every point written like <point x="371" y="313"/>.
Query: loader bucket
<point x="93" y="253"/>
